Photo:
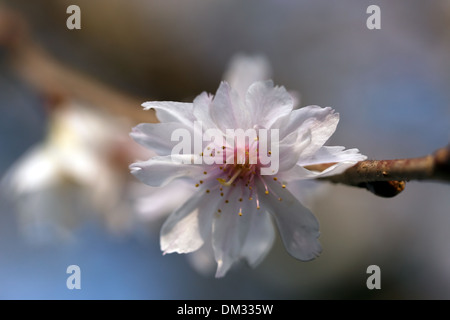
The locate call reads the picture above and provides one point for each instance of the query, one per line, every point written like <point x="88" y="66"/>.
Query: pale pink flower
<point x="234" y="205"/>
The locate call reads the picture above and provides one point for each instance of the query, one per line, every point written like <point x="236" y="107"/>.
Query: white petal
<point x="157" y="136"/>
<point x="187" y="227"/>
<point x="227" y="109"/>
<point x="229" y="234"/>
<point x="321" y="122"/>
<point x="329" y="154"/>
<point x="245" y="70"/>
<point x="202" y="110"/>
<point x="169" y="111"/>
<point x="298" y="227"/>
<point x="322" y="126"/>
<point x="297" y="172"/>
<point x="267" y="103"/>
<point x="344" y="159"/>
<point x="260" y="236"/>
<point x="36" y="169"/>
<point x="161" y="201"/>
<point x="337" y="168"/>
<point x="291" y="147"/>
<point x="158" y="171"/>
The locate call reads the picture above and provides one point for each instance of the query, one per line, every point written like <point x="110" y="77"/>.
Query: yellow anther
<point x="229" y="182"/>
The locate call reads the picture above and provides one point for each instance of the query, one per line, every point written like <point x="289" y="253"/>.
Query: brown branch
<point x="387" y="177"/>
<point x="55" y="79"/>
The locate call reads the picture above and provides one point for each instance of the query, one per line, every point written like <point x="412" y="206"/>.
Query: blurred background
<point x="68" y="99"/>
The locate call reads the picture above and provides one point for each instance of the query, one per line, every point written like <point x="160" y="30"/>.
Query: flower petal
<point x="157" y="136"/>
<point x="296" y="173"/>
<point x="158" y="202"/>
<point x="169" y="111"/>
<point x="291" y="147"/>
<point x="344" y="159"/>
<point x="298" y="227"/>
<point x="227" y="110"/>
<point x="187" y="227"/>
<point x="260" y="236"/>
<point x="160" y="170"/>
<point x="202" y="110"/>
<point x="229" y="234"/>
<point x="321" y="122"/>
<point x="329" y="154"/>
<point x="267" y="103"/>
<point x="245" y="70"/>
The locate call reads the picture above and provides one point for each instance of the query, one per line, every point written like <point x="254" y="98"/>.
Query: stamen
<point x="240" y="212"/>
<point x="265" y="186"/>
<point x="229" y="182"/>
<point x="257" y="202"/>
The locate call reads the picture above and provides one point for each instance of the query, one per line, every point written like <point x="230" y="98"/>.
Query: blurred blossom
<point x="76" y="172"/>
<point x="236" y="201"/>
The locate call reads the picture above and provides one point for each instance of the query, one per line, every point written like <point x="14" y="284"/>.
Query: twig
<point x="55" y="79"/>
<point x="386" y="177"/>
